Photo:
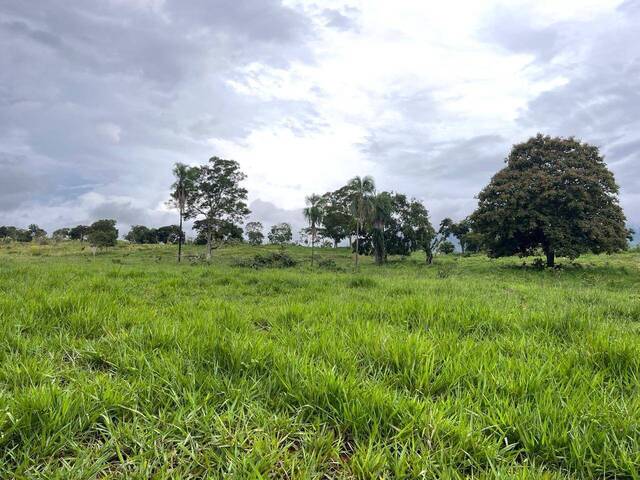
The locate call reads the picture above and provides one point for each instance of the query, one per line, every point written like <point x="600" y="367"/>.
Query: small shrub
<point x="272" y="260"/>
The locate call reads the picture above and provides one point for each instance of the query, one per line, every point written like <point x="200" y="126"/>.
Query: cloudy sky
<point x="99" y="98"/>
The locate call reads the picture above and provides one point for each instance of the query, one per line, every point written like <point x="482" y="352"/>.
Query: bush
<point x="271" y="260"/>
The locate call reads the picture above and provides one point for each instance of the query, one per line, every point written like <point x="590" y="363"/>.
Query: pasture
<point x="128" y="365"/>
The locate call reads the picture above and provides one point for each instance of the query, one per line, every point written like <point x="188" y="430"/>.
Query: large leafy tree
<point x="169" y="234"/>
<point x="465" y="231"/>
<point x="60" y="234"/>
<point x="253" y="230"/>
<point x="36" y="231"/>
<point x="182" y="188"/>
<point x="8" y="231"/>
<point x="421" y="231"/>
<point x="556" y="194"/>
<point x="337" y="220"/>
<point x="362" y="192"/>
<point x="141" y="234"/>
<point x="103" y="233"/>
<point x="216" y="197"/>
<point x="313" y="213"/>
<point x="79" y="232"/>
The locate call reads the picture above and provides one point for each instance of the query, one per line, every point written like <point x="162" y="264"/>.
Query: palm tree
<point x="184" y="176"/>
<point x="313" y="213"/>
<point x="380" y="215"/>
<point x="362" y="191"/>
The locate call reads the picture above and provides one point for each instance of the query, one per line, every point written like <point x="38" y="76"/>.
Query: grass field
<point x="128" y="365"/>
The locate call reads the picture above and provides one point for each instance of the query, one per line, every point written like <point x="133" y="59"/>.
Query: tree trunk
<point x="335" y="243"/>
<point x="180" y="239"/>
<point x="379" y="243"/>
<point x="429" y="254"/>
<point x="551" y="257"/>
<point x="357" y="243"/>
<point x="313" y="245"/>
<point x="209" y="247"/>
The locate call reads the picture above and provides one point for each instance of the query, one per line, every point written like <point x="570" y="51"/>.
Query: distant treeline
<point x="555" y="196"/>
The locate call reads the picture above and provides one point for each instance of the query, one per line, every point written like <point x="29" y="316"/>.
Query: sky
<point x="99" y="98"/>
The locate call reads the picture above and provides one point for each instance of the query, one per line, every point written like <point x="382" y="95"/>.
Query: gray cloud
<point x="601" y="99"/>
<point x="511" y="28"/>
<point x="105" y="96"/>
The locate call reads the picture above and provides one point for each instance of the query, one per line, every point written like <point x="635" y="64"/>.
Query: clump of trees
<point x="554" y="194"/>
<point x="212" y="195"/>
<point x="9" y="232"/>
<point x="377" y="223"/>
<point x="144" y="235"/>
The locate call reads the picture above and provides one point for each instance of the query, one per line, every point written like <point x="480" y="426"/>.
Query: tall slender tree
<point x="313" y="214"/>
<point x="184" y="183"/>
<point x="363" y="190"/>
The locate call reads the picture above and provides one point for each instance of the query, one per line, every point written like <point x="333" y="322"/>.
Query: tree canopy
<point x="556" y="194"/>
<point x="103" y="233"/>
<point x="141" y="234"/>
<point x="313" y="213"/>
<point x="216" y="198"/>
<point x="253" y="231"/>
<point x="280" y="234"/>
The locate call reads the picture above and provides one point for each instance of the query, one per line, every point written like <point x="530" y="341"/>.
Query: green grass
<point x="127" y="365"/>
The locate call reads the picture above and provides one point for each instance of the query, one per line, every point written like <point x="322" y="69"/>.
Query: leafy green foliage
<point x="556" y="194"/>
<point x="253" y="230"/>
<point x="446" y="247"/>
<point x="222" y="232"/>
<point x="216" y="199"/>
<point x="141" y="234"/>
<point x="274" y="260"/>
<point x="16" y="234"/>
<point x="337" y="221"/>
<point x="60" y="234"/>
<point x="169" y="234"/>
<point x="103" y="233"/>
<point x="280" y="234"/>
<point x="79" y="232"/>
